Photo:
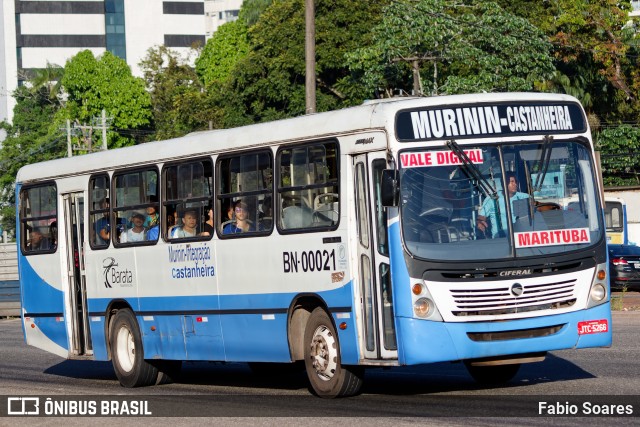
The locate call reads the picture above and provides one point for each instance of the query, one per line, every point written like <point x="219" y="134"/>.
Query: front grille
<point x="498" y="300"/>
<point x="513" y="335"/>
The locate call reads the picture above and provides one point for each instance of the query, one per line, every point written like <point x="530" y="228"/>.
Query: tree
<point x="456" y="48"/>
<point x="49" y="78"/>
<point x="268" y="83"/>
<point x="251" y="10"/>
<point x="179" y="103"/>
<point x="93" y="84"/>
<point x="222" y="52"/>
<point x="619" y="146"/>
<point x="32" y="137"/>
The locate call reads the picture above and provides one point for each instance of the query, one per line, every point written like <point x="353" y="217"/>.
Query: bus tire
<point x="493" y="375"/>
<point x="327" y="376"/>
<point x="127" y="354"/>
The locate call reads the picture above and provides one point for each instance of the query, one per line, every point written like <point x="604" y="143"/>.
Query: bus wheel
<point x="493" y="375"/>
<point x="127" y="354"/>
<point x="327" y="376"/>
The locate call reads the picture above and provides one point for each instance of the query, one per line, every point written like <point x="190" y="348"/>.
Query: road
<point x="397" y="396"/>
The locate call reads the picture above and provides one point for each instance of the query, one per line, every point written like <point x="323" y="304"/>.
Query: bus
<point x="615" y="215"/>
<point x="336" y="241"/>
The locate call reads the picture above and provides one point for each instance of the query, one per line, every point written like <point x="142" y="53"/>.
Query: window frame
<point x="280" y="189"/>
<point x="165" y="201"/>
<point x="220" y="197"/>
<point x="92" y="211"/>
<point x="23" y="218"/>
<point x="114" y="208"/>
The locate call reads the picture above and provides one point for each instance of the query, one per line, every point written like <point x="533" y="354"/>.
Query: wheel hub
<point x="324" y="353"/>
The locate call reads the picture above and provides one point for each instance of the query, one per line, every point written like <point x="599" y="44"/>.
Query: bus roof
<point x="374" y="114"/>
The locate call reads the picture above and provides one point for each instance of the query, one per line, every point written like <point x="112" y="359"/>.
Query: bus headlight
<point x="598" y="292"/>
<point x="423" y="307"/>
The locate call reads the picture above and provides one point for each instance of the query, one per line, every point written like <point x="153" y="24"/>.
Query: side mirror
<point x="389" y="188"/>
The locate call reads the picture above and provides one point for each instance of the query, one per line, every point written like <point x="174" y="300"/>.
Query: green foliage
<point x="222" y="52"/>
<point x="32" y="137"/>
<point x="251" y="10"/>
<point x="619" y="155"/>
<point x="178" y="101"/>
<point x="460" y="49"/>
<point x="268" y="83"/>
<point x="94" y="84"/>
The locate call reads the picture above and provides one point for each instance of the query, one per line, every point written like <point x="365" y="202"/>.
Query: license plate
<point x="593" y="327"/>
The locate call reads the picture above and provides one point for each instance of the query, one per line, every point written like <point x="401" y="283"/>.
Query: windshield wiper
<point x="543" y="163"/>
<point x="472" y="171"/>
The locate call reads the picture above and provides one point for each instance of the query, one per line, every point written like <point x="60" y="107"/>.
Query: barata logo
<point x="115" y="276"/>
<point x="23" y="406"/>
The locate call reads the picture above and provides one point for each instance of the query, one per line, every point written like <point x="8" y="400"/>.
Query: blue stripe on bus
<point x="244" y="328"/>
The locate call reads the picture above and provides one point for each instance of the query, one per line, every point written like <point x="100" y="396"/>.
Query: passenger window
<point x="245" y="194"/>
<point x="188" y="200"/>
<point x="38" y="219"/>
<point x="134" y="219"/>
<point x="308" y="192"/>
<point x="99" y="204"/>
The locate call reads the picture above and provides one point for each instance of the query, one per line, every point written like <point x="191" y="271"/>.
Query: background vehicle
<point x="624" y="267"/>
<point x="360" y="243"/>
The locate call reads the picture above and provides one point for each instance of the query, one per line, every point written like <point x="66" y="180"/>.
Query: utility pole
<point x="69" y="151"/>
<point x="310" y="53"/>
<point x="104" y="129"/>
<point x="85" y="134"/>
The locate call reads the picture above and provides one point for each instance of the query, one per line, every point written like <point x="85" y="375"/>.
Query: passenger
<point x="189" y="225"/>
<point x="208" y="225"/>
<point x="489" y="211"/>
<point x="103" y="225"/>
<point x="53" y="233"/>
<point x="152" y="218"/>
<point x="171" y="219"/>
<point x="152" y="221"/>
<point x="242" y="223"/>
<point x="37" y="241"/>
<point x="137" y="232"/>
<point x="229" y="211"/>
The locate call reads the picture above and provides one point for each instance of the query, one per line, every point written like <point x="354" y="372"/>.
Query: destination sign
<point x="478" y="121"/>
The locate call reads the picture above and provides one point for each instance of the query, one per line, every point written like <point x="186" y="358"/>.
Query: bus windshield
<point x="454" y="209"/>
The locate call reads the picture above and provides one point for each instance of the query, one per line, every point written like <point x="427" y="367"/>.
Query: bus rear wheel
<point x="127" y="354"/>
<point x="328" y="377"/>
<point x="493" y="375"/>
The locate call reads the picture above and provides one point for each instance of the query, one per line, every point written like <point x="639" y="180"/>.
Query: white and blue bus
<point x="371" y="236"/>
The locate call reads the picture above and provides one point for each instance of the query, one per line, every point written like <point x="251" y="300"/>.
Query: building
<point x="35" y="32"/>
<point x="219" y="12"/>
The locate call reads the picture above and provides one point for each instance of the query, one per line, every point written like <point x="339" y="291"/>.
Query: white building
<point x="35" y="32"/>
<point x="219" y="12"/>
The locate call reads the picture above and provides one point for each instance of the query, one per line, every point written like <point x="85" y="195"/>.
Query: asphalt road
<point x="437" y="394"/>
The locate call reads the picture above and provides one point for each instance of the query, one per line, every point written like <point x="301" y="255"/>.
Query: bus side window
<point x="245" y="194"/>
<point x="99" y="204"/>
<point x="38" y="210"/>
<point x="308" y="190"/>
<point x="135" y="192"/>
<point x="187" y="198"/>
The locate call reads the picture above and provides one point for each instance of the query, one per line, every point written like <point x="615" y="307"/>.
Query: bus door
<point x="76" y="291"/>
<point x="379" y="338"/>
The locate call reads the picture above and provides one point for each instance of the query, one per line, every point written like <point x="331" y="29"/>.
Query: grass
<point x="617" y="302"/>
